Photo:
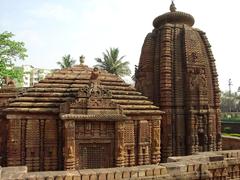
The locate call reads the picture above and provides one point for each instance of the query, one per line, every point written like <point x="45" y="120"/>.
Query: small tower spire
<point x="173" y="7"/>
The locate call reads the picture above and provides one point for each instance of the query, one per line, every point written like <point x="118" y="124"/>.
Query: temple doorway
<point x="94" y="144"/>
<point x="95" y="155"/>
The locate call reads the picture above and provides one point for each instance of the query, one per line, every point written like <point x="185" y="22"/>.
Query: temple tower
<point x="177" y="72"/>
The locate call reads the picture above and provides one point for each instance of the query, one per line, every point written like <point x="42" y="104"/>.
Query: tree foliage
<point x="112" y="63"/>
<point x="67" y="61"/>
<point x="230" y="102"/>
<point x="10" y="52"/>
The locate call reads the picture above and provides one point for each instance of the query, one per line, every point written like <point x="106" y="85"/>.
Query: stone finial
<point x="173" y="7"/>
<point x="81" y="59"/>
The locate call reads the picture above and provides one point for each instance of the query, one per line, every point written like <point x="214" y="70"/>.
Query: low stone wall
<point x="137" y="172"/>
<point x="230" y="143"/>
<point x="207" y="165"/>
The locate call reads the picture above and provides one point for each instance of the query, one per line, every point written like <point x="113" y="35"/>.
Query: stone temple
<point x="80" y="119"/>
<point x="177" y="72"/>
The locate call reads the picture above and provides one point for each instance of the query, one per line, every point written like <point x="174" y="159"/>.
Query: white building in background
<point x="33" y="75"/>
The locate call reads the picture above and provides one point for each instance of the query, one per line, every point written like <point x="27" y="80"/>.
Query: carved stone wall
<point x="177" y="62"/>
<point x="101" y="128"/>
<point x="6" y="93"/>
<point x="32" y="141"/>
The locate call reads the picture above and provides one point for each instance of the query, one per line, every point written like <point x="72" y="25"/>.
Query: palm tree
<point x="112" y="63"/>
<point x="67" y="61"/>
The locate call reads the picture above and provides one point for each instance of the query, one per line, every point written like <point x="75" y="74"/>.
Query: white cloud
<point x="95" y="25"/>
<point x="53" y="11"/>
<point x="31" y="38"/>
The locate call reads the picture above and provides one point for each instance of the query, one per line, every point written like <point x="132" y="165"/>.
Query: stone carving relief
<point x="8" y="82"/>
<point x="201" y="139"/>
<point x="198" y="80"/>
<point x="193" y="48"/>
<point x="94" y="89"/>
<point x="202" y="78"/>
<point x="70" y="152"/>
<point x="95" y="73"/>
<point x="94" y="95"/>
<point x="69" y="124"/>
<point x="84" y="92"/>
<point x="156" y="139"/>
<point x="193" y="57"/>
<point x="120" y="143"/>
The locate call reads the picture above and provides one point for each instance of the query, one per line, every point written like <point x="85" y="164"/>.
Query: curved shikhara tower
<point x="177" y="72"/>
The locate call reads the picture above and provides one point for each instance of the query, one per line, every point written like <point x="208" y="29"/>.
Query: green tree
<point x="67" y="61"/>
<point x="112" y="63"/>
<point x="10" y="52"/>
<point x="230" y="102"/>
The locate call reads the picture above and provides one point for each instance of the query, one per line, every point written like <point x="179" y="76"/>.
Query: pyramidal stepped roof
<point x="63" y="85"/>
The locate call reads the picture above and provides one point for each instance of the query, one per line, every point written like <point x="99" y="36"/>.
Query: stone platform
<point x="206" y="165"/>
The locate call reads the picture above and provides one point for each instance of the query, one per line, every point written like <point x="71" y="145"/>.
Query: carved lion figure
<point x="8" y="81"/>
<point x="95" y="74"/>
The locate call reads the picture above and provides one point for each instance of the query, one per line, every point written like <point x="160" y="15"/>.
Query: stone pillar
<point x="69" y="146"/>
<point x="132" y="156"/>
<point x="41" y="151"/>
<point x="6" y="92"/>
<point x="156" y="131"/>
<point x="23" y="140"/>
<point x="218" y="127"/>
<point x="143" y="142"/>
<point x="195" y="139"/>
<point x="3" y="140"/>
<point x="14" y="143"/>
<point x="140" y="155"/>
<point x="193" y="124"/>
<point x="146" y="155"/>
<point x="209" y="128"/>
<point x="192" y="133"/>
<point x="119" y="143"/>
<point x="166" y="88"/>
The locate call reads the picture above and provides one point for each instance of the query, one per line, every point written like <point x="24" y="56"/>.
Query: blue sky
<point x="53" y="28"/>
